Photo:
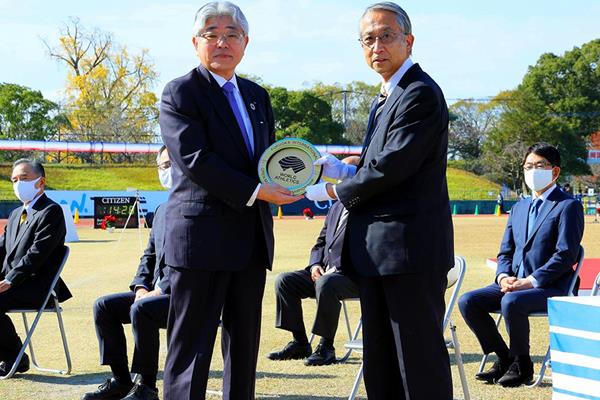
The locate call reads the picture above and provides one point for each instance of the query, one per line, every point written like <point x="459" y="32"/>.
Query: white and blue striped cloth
<point x="575" y="347"/>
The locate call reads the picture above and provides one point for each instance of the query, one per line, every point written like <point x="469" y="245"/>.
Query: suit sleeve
<point x="165" y="282"/>
<point x="189" y="147"/>
<point x="49" y="233"/>
<point x="145" y="272"/>
<point x="409" y="139"/>
<point x="507" y="249"/>
<point x="570" y="232"/>
<point x="317" y="253"/>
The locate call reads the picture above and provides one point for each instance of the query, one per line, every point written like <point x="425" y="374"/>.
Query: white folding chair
<point x="456" y="276"/>
<point x="546" y="360"/>
<point x="596" y="285"/>
<point x="50" y="305"/>
<point x="352" y="335"/>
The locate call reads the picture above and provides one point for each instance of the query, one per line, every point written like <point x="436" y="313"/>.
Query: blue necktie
<point x="533" y="213"/>
<point x="228" y="88"/>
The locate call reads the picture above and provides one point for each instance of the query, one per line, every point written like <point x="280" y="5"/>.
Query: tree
<point x="26" y="115"/>
<point x="350" y="106"/>
<point x="470" y="124"/>
<point x="557" y="102"/>
<point x="108" y="89"/>
<point x="305" y="115"/>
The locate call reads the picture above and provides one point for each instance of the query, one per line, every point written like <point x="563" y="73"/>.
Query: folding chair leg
<point x="485" y="356"/>
<point x="459" y="363"/>
<point x="545" y="363"/>
<point x="351" y="335"/>
<point x="356" y="382"/>
<point x="63" y="336"/>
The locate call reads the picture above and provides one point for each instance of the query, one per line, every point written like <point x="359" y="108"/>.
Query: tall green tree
<point x="305" y="115"/>
<point x="557" y="102"/>
<point x="26" y="115"/>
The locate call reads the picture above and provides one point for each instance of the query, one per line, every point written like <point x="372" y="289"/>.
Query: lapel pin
<point x="252" y="106"/>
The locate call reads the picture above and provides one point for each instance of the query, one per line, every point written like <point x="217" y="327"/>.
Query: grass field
<point x="462" y="185"/>
<point x="101" y="264"/>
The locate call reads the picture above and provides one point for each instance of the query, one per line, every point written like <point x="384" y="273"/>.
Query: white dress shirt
<point x="245" y="117"/>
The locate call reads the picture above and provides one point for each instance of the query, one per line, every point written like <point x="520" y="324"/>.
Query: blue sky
<point x="474" y="49"/>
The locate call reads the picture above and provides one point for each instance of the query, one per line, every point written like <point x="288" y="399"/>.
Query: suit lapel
<point x="256" y="120"/>
<point x="223" y="109"/>
<point x="14" y="229"/>
<point x="335" y="221"/>
<point x="389" y="105"/>
<point x="29" y="222"/>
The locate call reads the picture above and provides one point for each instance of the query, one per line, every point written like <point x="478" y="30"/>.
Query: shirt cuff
<point x="533" y="281"/>
<point x="136" y="287"/>
<point x="7" y="281"/>
<point x="500" y="277"/>
<point x="335" y="192"/>
<point x="252" y="199"/>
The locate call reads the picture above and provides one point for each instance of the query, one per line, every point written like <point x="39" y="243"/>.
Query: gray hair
<point x="35" y="165"/>
<point x="218" y="9"/>
<point x="401" y="15"/>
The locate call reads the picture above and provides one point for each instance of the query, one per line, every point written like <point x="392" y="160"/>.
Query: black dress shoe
<point x="519" y="372"/>
<point x="142" y="392"/>
<point x="292" y="351"/>
<point x="109" y="390"/>
<point x="498" y="370"/>
<point x="323" y="355"/>
<point x="6" y="366"/>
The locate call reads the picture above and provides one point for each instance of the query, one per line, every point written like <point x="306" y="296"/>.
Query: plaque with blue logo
<point x="290" y="163"/>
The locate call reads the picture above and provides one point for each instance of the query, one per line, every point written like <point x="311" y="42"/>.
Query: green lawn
<point x="461" y="184"/>
<point x="101" y="264"/>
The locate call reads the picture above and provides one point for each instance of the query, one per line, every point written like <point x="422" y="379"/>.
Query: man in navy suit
<point x="322" y="279"/>
<point x="31" y="251"/>
<point x="145" y="307"/>
<point x="540" y="245"/>
<point x="399" y="236"/>
<point x="219" y="242"/>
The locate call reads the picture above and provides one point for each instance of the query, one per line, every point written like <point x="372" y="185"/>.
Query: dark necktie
<point x="375" y="112"/>
<point x="229" y="88"/>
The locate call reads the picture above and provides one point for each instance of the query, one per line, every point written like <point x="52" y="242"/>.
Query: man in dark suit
<point x="220" y="232"/>
<point x="399" y="238"/>
<point x="31" y="250"/>
<point x="540" y="246"/>
<point x="145" y="307"/>
<point x="324" y="280"/>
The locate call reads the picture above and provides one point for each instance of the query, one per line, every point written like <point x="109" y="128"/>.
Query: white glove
<point x="317" y="192"/>
<point x="334" y="168"/>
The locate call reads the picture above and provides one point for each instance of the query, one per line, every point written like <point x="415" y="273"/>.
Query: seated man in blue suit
<point x="322" y="279"/>
<point x="539" y="248"/>
<point x="145" y="306"/>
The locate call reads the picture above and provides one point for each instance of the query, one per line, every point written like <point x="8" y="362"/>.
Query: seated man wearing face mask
<point x="540" y="246"/>
<point x="30" y="253"/>
<point x="145" y="306"/>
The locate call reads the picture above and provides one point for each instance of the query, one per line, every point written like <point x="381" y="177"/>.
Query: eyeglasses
<point x="164" y="165"/>
<point x="537" y="165"/>
<point x="229" y="37"/>
<point x="385" y="38"/>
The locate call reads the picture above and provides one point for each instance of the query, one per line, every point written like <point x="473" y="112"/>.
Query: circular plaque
<point x="289" y="163"/>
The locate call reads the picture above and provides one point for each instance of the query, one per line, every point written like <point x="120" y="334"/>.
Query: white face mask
<point x="26" y="190"/>
<point x="165" y="178"/>
<point x="538" y="179"/>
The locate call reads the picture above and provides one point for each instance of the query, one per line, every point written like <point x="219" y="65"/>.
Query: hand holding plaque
<point x="290" y="163"/>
